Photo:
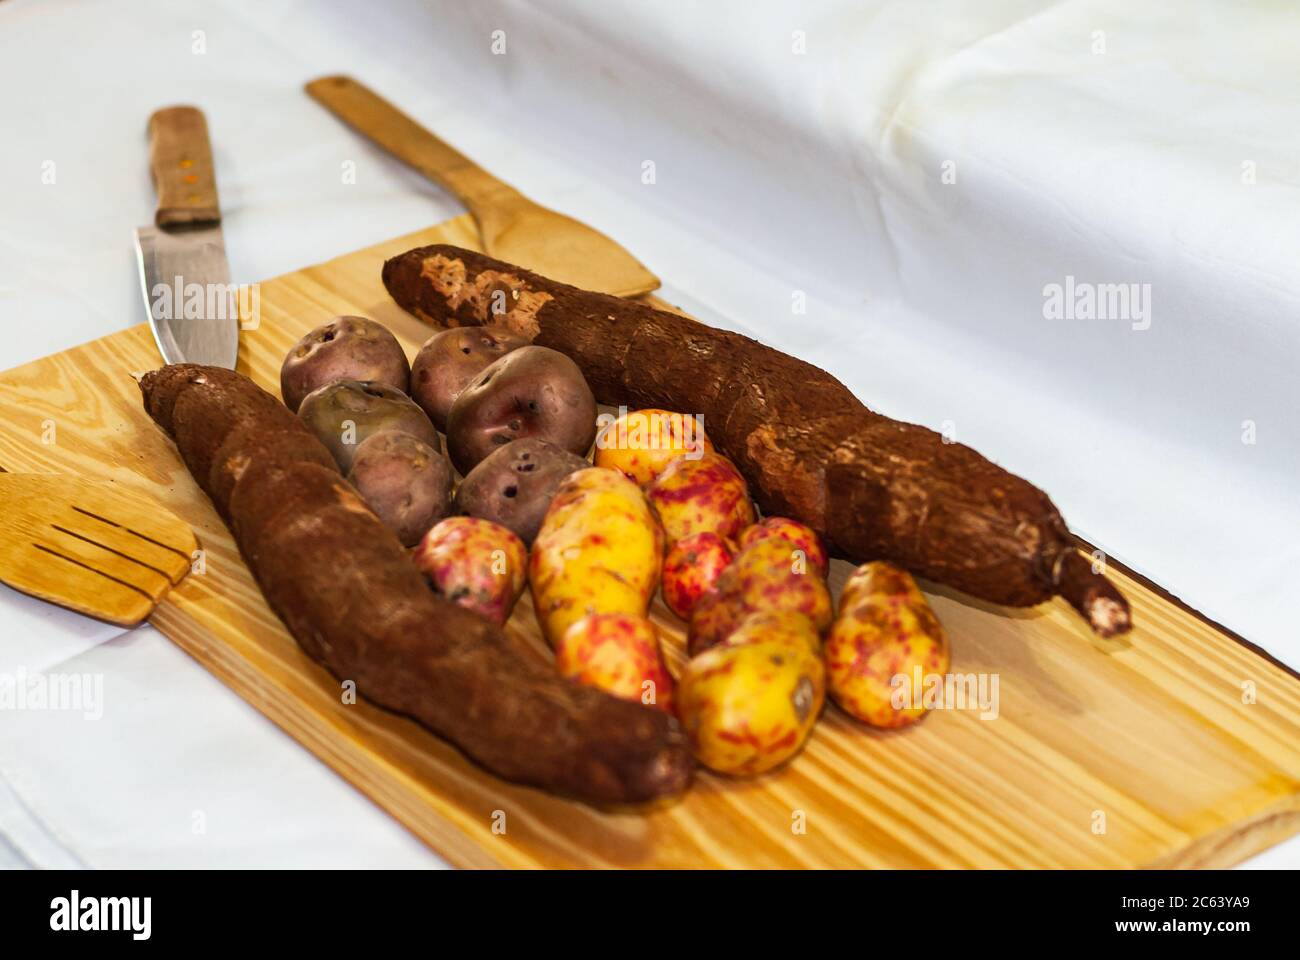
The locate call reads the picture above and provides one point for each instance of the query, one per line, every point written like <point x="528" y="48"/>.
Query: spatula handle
<point x="370" y="114"/>
<point x="180" y="156"/>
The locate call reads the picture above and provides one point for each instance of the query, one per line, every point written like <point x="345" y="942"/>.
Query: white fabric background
<point x="775" y="172"/>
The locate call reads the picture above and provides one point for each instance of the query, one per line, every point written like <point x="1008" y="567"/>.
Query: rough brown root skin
<point x="876" y="488"/>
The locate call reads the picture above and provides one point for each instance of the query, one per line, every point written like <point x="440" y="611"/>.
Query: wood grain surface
<point x="180" y="158"/>
<point x="89" y="546"/>
<point x="1173" y="746"/>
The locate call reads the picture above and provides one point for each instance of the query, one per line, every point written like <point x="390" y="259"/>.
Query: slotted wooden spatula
<point x="90" y="546"/>
<point x="513" y="228"/>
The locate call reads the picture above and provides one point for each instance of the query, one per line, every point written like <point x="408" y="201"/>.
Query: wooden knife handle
<point x="370" y="114"/>
<point x="181" y="159"/>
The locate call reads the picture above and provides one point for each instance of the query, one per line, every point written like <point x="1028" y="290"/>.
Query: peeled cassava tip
<point x="1097" y="599"/>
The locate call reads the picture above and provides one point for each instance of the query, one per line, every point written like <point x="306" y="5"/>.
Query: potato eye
<point x="511" y="491"/>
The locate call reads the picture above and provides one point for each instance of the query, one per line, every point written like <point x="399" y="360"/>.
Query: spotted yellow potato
<point x="641" y="443"/>
<point x="704" y="494"/>
<point x="771" y="575"/>
<point x="618" y="653"/>
<point x="776" y="626"/>
<point x="749" y="707"/>
<point x="599" y="550"/>
<point x="885" y="629"/>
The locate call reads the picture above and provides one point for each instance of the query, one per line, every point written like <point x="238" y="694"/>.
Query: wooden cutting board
<point x="1174" y="746"/>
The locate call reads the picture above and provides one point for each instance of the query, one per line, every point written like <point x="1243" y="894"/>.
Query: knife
<point x="193" y="310"/>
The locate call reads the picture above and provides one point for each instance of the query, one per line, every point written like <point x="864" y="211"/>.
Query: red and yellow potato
<point x="769" y="575"/>
<point x="884" y="629"/>
<point x="598" y="551"/>
<point x="476" y="563"/>
<point x="776" y="626"/>
<point x="618" y="653"/>
<point x="803" y="537"/>
<point x="697" y="495"/>
<point x="691" y="569"/>
<point x="641" y="443"/>
<point x="748" y="707"/>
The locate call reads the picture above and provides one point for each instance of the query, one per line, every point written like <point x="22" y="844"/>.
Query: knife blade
<point x="192" y="307"/>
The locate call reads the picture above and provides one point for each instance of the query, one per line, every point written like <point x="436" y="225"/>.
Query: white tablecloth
<point x="918" y="174"/>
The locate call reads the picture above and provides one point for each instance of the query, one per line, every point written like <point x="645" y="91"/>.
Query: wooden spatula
<point x="90" y="546"/>
<point x="513" y="228"/>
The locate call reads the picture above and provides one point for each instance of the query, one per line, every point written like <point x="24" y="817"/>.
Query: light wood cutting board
<point x="1175" y="746"/>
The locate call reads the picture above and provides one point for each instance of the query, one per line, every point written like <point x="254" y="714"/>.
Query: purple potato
<point x="346" y="412"/>
<point x="530" y="392"/>
<point x="449" y="360"/>
<point x="405" y="481"/>
<point x="346" y="348"/>
<point x="515" y="484"/>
